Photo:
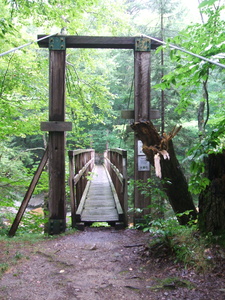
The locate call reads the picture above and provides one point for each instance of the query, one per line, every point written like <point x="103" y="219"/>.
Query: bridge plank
<point x="99" y="204"/>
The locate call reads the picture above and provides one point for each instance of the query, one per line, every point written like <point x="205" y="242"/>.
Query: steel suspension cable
<point x="185" y="51"/>
<point x="25" y="45"/>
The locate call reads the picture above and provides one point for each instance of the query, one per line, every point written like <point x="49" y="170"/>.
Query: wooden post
<point x="125" y="200"/>
<point x="71" y="185"/>
<point x="57" y="201"/>
<point x="141" y="112"/>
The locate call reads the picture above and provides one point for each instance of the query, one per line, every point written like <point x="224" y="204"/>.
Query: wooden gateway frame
<point x="56" y="126"/>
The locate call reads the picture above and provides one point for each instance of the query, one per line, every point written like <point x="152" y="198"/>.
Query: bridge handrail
<point x="119" y="151"/>
<point x="78" y="176"/>
<point x="79" y="151"/>
<point x="115" y="161"/>
<point x="81" y="162"/>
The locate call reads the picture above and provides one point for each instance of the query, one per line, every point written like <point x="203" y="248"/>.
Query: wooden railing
<point x="115" y="161"/>
<point x="81" y="162"/>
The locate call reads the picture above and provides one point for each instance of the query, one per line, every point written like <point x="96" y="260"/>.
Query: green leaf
<point x="206" y="3"/>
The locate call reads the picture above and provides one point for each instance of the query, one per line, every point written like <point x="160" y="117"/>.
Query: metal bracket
<point x="56" y="226"/>
<point x="142" y="44"/>
<point x="57" y="43"/>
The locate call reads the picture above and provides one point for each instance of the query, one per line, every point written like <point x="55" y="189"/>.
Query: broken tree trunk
<point x="160" y="152"/>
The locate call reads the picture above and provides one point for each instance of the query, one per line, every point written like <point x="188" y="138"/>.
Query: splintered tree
<point x="160" y="152"/>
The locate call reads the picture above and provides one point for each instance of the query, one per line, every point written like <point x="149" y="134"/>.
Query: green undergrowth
<point x="32" y="222"/>
<point x="182" y="243"/>
<point x="171" y="283"/>
<point x="16" y="249"/>
<point x="219" y="238"/>
<point x="32" y="225"/>
<point x="100" y="224"/>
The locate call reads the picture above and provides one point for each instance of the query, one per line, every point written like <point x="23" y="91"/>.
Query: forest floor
<point x="99" y="264"/>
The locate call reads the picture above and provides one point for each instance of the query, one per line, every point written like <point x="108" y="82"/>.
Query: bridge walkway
<point x="99" y="202"/>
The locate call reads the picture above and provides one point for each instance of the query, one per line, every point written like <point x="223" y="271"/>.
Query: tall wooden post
<point x="57" y="127"/>
<point x="57" y="203"/>
<point x="141" y="112"/>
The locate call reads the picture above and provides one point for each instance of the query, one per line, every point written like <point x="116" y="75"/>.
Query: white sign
<point x="140" y="145"/>
<point x="143" y="164"/>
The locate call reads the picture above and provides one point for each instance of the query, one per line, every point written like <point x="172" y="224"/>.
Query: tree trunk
<point x="173" y="179"/>
<point x="176" y="187"/>
<point x="212" y="199"/>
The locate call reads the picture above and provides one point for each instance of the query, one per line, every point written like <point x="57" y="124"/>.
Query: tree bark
<point x="212" y="199"/>
<point x="173" y="179"/>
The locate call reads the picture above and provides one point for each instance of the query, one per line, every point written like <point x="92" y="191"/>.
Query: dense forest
<point x="186" y="89"/>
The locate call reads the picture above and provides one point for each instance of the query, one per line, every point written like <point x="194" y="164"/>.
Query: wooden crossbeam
<point x="75" y="41"/>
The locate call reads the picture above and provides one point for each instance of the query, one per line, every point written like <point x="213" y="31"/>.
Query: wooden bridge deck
<point x="100" y="202"/>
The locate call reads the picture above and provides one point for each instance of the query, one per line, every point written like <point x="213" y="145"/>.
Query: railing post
<point x="71" y="185"/>
<point x="125" y="198"/>
<point x="77" y="168"/>
<point x="93" y="160"/>
<point x="118" y="184"/>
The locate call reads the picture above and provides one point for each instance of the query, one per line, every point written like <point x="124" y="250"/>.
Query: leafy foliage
<point x="206" y="3"/>
<point x="174" y="239"/>
<point x="213" y="143"/>
<point x="153" y="189"/>
<point x="189" y="75"/>
<point x="187" y="78"/>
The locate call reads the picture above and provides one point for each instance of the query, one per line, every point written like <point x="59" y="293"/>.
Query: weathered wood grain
<point x="142" y="95"/>
<point x="57" y="197"/>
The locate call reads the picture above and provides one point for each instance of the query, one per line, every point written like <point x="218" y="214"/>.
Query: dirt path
<point x="100" y="264"/>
